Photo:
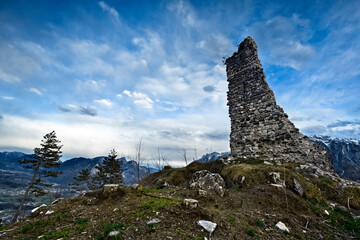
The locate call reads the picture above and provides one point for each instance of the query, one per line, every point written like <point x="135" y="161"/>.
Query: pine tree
<point x="82" y="182"/>
<point x="43" y="163"/>
<point x="109" y="172"/>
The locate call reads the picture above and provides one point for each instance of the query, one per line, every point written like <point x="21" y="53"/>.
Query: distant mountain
<point x="14" y="175"/>
<point x="213" y="156"/>
<point x="345" y="155"/>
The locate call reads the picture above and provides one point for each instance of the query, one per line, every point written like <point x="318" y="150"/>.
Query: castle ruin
<point x="259" y="127"/>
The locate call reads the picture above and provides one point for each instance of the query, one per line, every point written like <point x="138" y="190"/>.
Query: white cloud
<point x="112" y="11"/>
<point x="140" y="99"/>
<point x="16" y="64"/>
<point x="8" y="77"/>
<point x="184" y="12"/>
<point x="104" y="102"/>
<point x="8" y="98"/>
<point x="35" y="90"/>
<point x="283" y="41"/>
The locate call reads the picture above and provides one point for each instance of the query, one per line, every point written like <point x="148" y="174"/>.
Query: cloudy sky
<point x="105" y="74"/>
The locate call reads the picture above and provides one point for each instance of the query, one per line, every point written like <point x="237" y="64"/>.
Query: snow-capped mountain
<point x="213" y="156"/>
<point x="345" y="155"/>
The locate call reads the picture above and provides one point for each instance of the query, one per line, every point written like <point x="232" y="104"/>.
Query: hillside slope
<point x="248" y="210"/>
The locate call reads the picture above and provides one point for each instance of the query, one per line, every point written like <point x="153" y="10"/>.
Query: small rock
<point x="267" y="163"/>
<point x="298" y="188"/>
<point x="113" y="233"/>
<point x="282" y="227"/>
<point x="115" y="209"/>
<point x="275" y="177"/>
<point x="40" y="236"/>
<point x="37" y="208"/>
<point x="91" y="201"/>
<point x="165" y="185"/>
<point x="278" y="163"/>
<point x="190" y="203"/>
<point x="202" y="193"/>
<point x="242" y="180"/>
<point x="277" y="185"/>
<point x="56" y="201"/>
<point x="153" y="221"/>
<point x="137" y="187"/>
<point x="110" y="188"/>
<point x="207" y="225"/>
<point x="341" y="208"/>
<point x="49" y="212"/>
<point x="326" y="212"/>
<point x="219" y="190"/>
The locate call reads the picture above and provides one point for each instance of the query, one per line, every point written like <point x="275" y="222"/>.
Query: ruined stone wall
<point x="259" y="127"/>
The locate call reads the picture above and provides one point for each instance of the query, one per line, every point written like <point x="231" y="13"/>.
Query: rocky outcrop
<point x="259" y="127"/>
<point x="206" y="180"/>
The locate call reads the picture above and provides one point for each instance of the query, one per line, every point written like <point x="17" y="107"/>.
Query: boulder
<point x="298" y="188"/>
<point x="190" y="203"/>
<point x="206" y="180"/>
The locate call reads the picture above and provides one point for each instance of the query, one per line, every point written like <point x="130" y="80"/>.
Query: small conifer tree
<point x="43" y="163"/>
<point x="109" y="172"/>
<point x="82" y="182"/>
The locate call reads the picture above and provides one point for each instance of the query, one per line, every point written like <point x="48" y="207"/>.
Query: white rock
<point x="113" y="233"/>
<point x="277" y="185"/>
<point x="267" y="163"/>
<point x="37" y="208"/>
<point x="48" y="212"/>
<point x="134" y="186"/>
<point x="282" y="227"/>
<point x="110" y="188"/>
<point x="40" y="236"/>
<point x="191" y="203"/>
<point x="56" y="201"/>
<point x="153" y="221"/>
<point x="242" y="180"/>
<point x="326" y="212"/>
<point x="207" y="225"/>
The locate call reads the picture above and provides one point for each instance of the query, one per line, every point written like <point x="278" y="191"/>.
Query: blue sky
<point x="105" y="74"/>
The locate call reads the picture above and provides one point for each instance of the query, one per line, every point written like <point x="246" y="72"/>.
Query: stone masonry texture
<point x="260" y="129"/>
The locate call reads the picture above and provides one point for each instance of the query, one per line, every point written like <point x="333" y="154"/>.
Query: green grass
<point x="158" y="203"/>
<point x="251" y="232"/>
<point x="343" y="220"/>
<point x="259" y="223"/>
<point x="232" y="222"/>
<point x="36" y="225"/>
<point x="81" y="224"/>
<point x="112" y="227"/>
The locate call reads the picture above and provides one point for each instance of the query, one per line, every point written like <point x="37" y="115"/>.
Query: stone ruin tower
<point x="259" y="127"/>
